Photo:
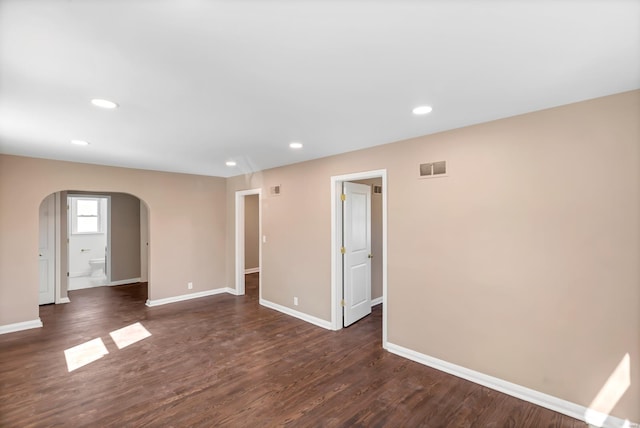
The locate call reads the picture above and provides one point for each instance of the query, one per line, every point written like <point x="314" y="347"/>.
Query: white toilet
<point x="97" y="267"/>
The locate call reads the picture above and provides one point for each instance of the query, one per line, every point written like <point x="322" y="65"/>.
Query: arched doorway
<point x="98" y="239"/>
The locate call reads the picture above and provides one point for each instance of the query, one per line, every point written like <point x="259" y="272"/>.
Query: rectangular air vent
<point x="433" y="169"/>
<point x="439" y="168"/>
<point x="426" y="169"/>
<point x="275" y="190"/>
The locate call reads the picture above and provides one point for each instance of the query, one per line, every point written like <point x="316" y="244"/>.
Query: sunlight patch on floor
<point x="85" y="353"/>
<point x="128" y="335"/>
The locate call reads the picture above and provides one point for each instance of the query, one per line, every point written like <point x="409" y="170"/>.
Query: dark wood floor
<point x="226" y="361"/>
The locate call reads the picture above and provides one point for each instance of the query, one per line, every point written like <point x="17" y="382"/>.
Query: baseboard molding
<point x="19" y="326"/>
<point x="376" y="301"/>
<point x="252" y="270"/>
<point x="84" y="287"/>
<point x="183" y="297"/>
<point x="559" y="405"/>
<point x="231" y="291"/>
<point x="297" y="314"/>
<point x="106" y="284"/>
<point x="124" y="281"/>
<point x="63" y="300"/>
<point x="80" y="273"/>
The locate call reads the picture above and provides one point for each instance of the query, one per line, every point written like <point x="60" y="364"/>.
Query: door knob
<point x="370" y="256"/>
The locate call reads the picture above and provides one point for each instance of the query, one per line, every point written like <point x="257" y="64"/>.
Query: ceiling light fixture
<point x="230" y="163"/>
<point x="98" y="102"/>
<point x="80" y="142"/>
<point x="422" y="110"/>
<point x="295" y="145"/>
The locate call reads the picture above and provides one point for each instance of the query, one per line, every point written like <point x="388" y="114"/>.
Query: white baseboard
<point x="19" y="326"/>
<point x="252" y="270"/>
<point x="63" y="300"/>
<point x="559" y="405"/>
<point x="231" y="291"/>
<point x="88" y="283"/>
<point x="124" y="281"/>
<point x="183" y="297"/>
<point x="297" y="314"/>
<point x="80" y="273"/>
<point x="84" y="286"/>
<point x="376" y="301"/>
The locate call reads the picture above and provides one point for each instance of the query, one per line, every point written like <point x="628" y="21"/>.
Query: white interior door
<point x="357" y="251"/>
<point x="46" y="251"/>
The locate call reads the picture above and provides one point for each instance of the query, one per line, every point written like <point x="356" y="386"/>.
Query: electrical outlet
<point x="190" y="285"/>
<point x="295" y="301"/>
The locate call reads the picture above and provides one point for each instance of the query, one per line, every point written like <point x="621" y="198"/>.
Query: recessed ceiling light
<point x="230" y="163"/>
<point x="103" y="103"/>
<point x="295" y="145"/>
<point x="422" y="110"/>
<point x="80" y="142"/>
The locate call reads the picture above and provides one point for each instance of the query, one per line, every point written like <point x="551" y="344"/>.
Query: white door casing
<point x="357" y="252"/>
<point x="83" y="247"/>
<point x="46" y="251"/>
<point x="336" y="242"/>
<point x="239" y="239"/>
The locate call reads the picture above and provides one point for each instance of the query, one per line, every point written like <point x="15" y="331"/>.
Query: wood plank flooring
<point x="227" y="361"/>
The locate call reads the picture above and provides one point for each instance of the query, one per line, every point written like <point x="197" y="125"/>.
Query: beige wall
<point x="521" y="264"/>
<point x="186" y="216"/>
<point x="125" y="237"/>
<point x="376" y="237"/>
<point x="251" y="232"/>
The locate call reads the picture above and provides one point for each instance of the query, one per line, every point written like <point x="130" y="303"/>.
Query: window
<point x="86" y="215"/>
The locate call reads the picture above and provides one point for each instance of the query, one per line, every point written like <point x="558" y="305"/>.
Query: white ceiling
<point x="201" y="82"/>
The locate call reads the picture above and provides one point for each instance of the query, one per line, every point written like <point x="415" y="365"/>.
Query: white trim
<point x="107" y="255"/>
<point x="70" y="196"/>
<point x="86" y="286"/>
<point x="183" y="297"/>
<point x="239" y="237"/>
<point x="57" y="253"/>
<point x="532" y="396"/>
<point x="376" y="301"/>
<point x="78" y="274"/>
<point x="49" y="202"/>
<point x="336" y="233"/>
<point x="19" y="326"/>
<point x="252" y="270"/>
<point x="64" y="300"/>
<point x="124" y="281"/>
<point x="74" y="215"/>
<point x="297" y="314"/>
<point x="336" y="259"/>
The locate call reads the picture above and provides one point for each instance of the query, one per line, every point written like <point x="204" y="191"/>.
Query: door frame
<point x="60" y="270"/>
<point x="336" y="239"/>
<point x="52" y="260"/>
<point x="239" y="271"/>
<point x="107" y="266"/>
<point x="352" y="256"/>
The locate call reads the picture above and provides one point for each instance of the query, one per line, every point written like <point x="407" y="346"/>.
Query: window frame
<point x="74" y="215"/>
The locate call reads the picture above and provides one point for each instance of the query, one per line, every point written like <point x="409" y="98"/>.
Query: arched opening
<point x="92" y="239"/>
